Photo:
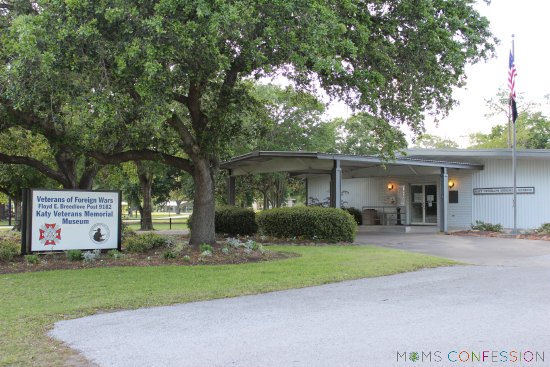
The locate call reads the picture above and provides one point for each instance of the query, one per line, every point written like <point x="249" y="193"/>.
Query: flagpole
<point x="515" y="230"/>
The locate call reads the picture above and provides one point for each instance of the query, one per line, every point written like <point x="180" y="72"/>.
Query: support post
<point x="307" y="192"/>
<point x="444" y="200"/>
<point x="336" y="185"/>
<point x="231" y="182"/>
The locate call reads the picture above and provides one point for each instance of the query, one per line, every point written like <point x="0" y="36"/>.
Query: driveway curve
<point x="499" y="305"/>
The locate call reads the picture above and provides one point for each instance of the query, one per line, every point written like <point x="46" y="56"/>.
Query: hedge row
<point x="232" y="220"/>
<point x="315" y="223"/>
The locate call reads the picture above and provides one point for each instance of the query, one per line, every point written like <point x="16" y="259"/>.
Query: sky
<point x="525" y="19"/>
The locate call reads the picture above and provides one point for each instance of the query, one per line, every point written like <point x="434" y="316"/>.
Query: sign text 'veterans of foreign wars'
<point x="63" y="220"/>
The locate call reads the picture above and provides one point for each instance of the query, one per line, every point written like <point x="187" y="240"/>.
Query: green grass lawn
<point x="31" y="303"/>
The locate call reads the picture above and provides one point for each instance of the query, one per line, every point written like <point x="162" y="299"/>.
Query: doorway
<point x="423" y="204"/>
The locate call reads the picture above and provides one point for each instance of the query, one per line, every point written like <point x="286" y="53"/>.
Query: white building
<point x="450" y="189"/>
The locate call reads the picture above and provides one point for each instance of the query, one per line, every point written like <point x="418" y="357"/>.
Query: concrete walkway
<point x="471" y="250"/>
<point x="501" y="306"/>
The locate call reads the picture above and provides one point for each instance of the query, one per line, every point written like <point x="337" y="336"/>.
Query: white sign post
<point x="59" y="220"/>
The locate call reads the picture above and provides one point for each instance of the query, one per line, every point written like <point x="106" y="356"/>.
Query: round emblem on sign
<point x="49" y="234"/>
<point x="99" y="233"/>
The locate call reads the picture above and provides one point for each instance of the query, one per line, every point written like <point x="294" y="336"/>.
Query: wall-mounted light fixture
<point x="391" y="186"/>
<point x="451" y="184"/>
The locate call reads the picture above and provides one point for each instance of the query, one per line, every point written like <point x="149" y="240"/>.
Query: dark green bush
<point x="145" y="242"/>
<point x="356" y="213"/>
<point x="10" y="246"/>
<point x="316" y="223"/>
<point x="233" y="221"/>
<point x="32" y="259"/>
<point x="73" y="255"/>
<point x="482" y="226"/>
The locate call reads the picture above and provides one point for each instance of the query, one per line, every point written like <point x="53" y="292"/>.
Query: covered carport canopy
<point x="340" y="166"/>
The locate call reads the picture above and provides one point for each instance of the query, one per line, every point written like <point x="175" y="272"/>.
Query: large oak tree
<point x="187" y="63"/>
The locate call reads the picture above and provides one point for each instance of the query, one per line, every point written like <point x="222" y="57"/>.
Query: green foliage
<point x="186" y="259"/>
<point x="169" y="254"/>
<point x="115" y="254"/>
<point x="324" y="224"/>
<point x="32" y="259"/>
<point x="74" y="255"/>
<point x="544" y="228"/>
<point x="145" y="242"/>
<point x="482" y="226"/>
<point x="532" y="127"/>
<point x="356" y="213"/>
<point x="233" y="221"/>
<point x="174" y="76"/>
<point x="206" y="247"/>
<point x="429" y="141"/>
<point x="127" y="231"/>
<point x="10" y="246"/>
<point x="365" y="134"/>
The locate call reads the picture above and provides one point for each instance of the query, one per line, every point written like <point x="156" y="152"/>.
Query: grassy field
<point x="32" y="302"/>
<point x="161" y="224"/>
<point x="160" y="221"/>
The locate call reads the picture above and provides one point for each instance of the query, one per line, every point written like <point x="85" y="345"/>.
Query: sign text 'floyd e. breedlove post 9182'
<point x="59" y="220"/>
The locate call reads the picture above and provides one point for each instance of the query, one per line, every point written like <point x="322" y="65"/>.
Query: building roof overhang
<point x="308" y="163"/>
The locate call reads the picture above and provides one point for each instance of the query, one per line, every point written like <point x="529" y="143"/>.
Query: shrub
<point x="167" y="255"/>
<point x="482" y="226"/>
<point x="356" y="213"/>
<point x="10" y="246"/>
<point x="233" y="221"/>
<point x="206" y="247"/>
<point x="115" y="254"/>
<point x="145" y="242"/>
<point x="127" y="232"/>
<point x="187" y="259"/>
<point x="74" y="255"/>
<point x="32" y="259"/>
<point x="544" y="228"/>
<point x="91" y="256"/>
<point x="328" y="224"/>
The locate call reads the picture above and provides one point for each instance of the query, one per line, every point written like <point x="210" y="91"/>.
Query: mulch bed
<point x="58" y="260"/>
<point x="526" y="236"/>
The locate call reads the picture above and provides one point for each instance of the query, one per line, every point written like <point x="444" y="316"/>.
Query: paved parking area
<point x="471" y="250"/>
<point x="500" y="305"/>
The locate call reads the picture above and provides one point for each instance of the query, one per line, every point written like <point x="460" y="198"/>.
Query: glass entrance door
<point x="423" y="204"/>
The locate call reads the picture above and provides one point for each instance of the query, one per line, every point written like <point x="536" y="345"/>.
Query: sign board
<point x="59" y="220"/>
<point x="503" y="190"/>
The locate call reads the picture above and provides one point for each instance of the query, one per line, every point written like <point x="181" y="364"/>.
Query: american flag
<point x="512" y="73"/>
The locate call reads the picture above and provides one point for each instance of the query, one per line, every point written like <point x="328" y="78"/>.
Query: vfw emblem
<point x="50" y="234"/>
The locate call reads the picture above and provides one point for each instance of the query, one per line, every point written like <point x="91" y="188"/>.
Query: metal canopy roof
<point x="303" y="163"/>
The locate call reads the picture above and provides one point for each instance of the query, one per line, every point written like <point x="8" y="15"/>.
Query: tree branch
<point x="90" y="171"/>
<point x="180" y="98"/>
<point x="183" y="132"/>
<point x="36" y="164"/>
<point x="143" y="155"/>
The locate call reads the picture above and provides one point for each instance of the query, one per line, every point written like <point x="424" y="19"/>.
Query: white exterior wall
<point x="460" y="214"/>
<point x="532" y="209"/>
<point x="371" y="191"/>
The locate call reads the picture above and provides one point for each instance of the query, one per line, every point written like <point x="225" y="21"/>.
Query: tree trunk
<point x="203" y="205"/>
<point x="146" y="184"/>
<point x="18" y="215"/>
<point x="178" y="206"/>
